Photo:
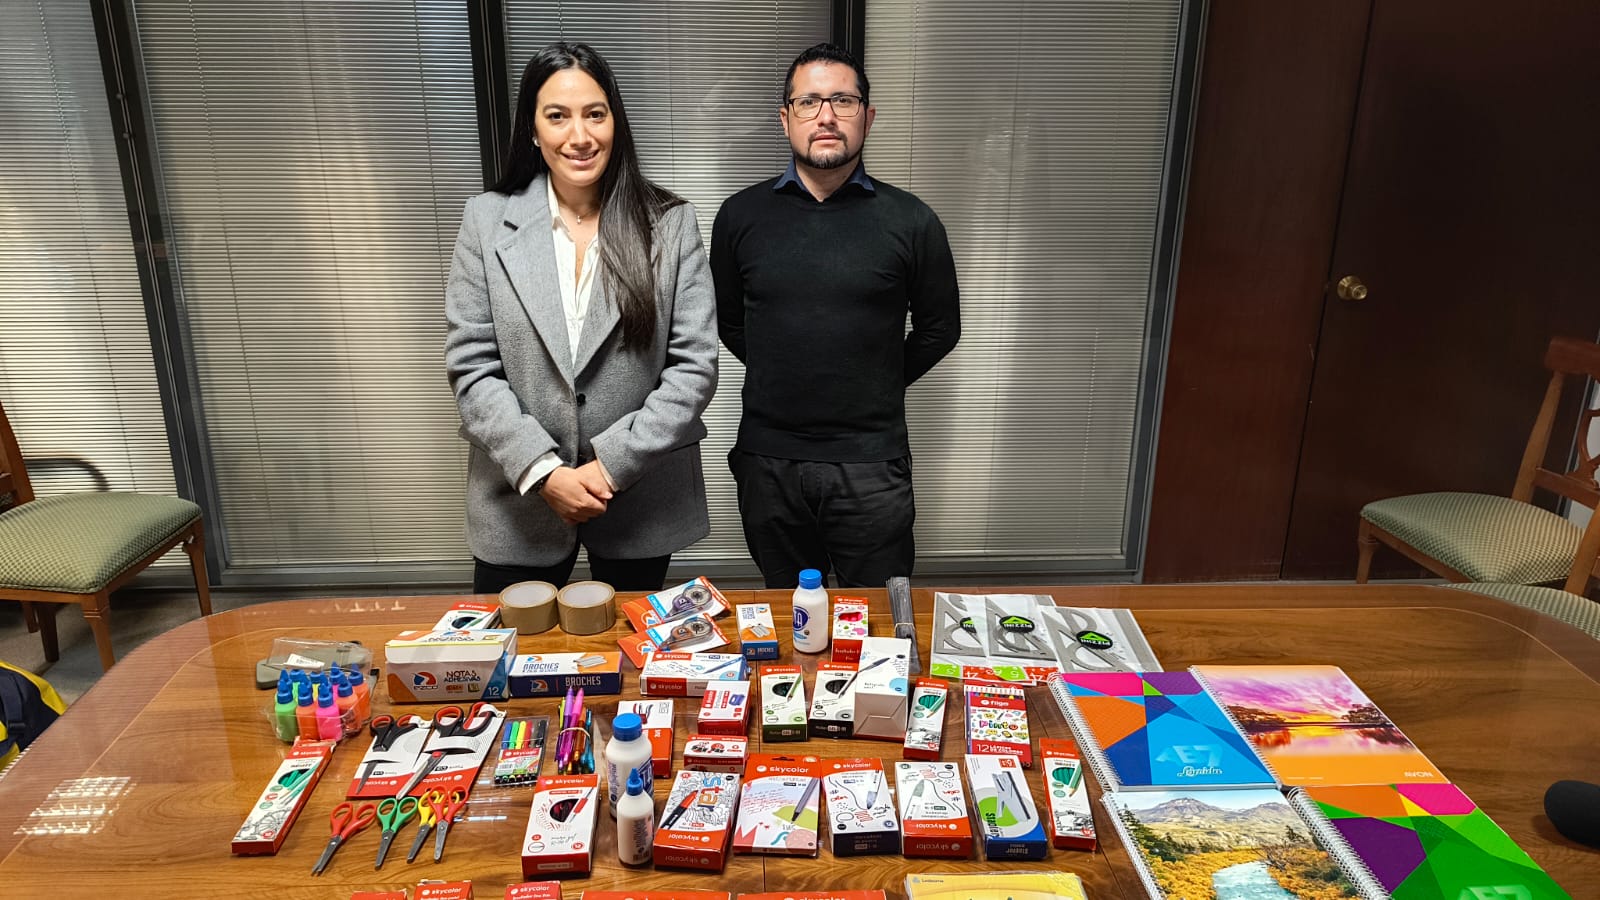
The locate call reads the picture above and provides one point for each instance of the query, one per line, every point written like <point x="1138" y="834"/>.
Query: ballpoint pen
<point x="723" y="665"/>
<point x="857" y="674"/>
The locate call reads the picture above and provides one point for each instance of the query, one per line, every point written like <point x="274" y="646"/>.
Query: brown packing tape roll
<point x="587" y="607"/>
<point x="529" y="607"/>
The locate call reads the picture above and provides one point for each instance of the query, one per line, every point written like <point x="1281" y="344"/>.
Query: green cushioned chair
<point x="1486" y="538"/>
<point x="78" y="548"/>
<point x="1579" y="612"/>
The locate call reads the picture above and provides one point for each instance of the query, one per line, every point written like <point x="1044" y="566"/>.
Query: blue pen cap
<point x="627" y="727"/>
<point x="810" y="578"/>
<point x="635" y="783"/>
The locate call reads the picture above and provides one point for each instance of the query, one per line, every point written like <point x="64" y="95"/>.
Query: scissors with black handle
<point x="385" y="731"/>
<point x="451" y="722"/>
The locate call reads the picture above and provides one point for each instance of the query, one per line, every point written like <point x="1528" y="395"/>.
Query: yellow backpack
<point x="28" y="704"/>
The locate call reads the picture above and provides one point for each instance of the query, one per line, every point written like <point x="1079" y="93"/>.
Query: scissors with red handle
<point x="345" y="821"/>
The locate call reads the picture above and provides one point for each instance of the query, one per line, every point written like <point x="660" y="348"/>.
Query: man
<point x="815" y="271"/>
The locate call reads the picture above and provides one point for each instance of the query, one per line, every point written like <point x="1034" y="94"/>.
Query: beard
<point x="829" y="159"/>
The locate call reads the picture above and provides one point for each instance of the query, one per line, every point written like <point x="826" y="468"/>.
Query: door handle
<point x="1351" y="288"/>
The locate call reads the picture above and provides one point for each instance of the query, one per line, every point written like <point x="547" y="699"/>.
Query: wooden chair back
<point x="13" y="474"/>
<point x="1567" y="359"/>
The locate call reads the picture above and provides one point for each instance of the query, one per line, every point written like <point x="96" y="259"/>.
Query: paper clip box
<point x="560" y="833"/>
<point x="780" y="806"/>
<point x="274" y="813"/>
<point x="697" y="821"/>
<point x="1071" y="818"/>
<point x="861" y="813"/>
<point x="469" y="615"/>
<point x="930" y="697"/>
<point x="553" y="674"/>
<point x="849" y="627"/>
<point x="657" y="716"/>
<point x="450" y="666"/>
<point x="710" y="753"/>
<point x="534" y="890"/>
<point x="671" y="674"/>
<point x="697" y="595"/>
<point x="933" y="810"/>
<point x="878" y="695"/>
<point x="783" y="703"/>
<point x="1003" y="804"/>
<point x="832" y="713"/>
<point x="997" y="721"/>
<point x="725" y="709"/>
<point x="758" y="637"/>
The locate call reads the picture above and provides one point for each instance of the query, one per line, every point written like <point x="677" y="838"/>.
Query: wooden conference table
<point x="138" y="789"/>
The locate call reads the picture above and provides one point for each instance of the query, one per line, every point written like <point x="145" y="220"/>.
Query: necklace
<point x="579" y="218"/>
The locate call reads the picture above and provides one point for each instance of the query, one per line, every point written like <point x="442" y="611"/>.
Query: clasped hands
<point x="577" y="495"/>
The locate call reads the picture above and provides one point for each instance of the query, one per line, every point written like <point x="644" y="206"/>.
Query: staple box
<point x="274" y="813"/>
<point x="444" y="890"/>
<point x="469" y="615"/>
<point x="930" y="697"/>
<point x="933" y="809"/>
<point x="450" y="666"/>
<point x="697" y="821"/>
<point x="698" y="595"/>
<point x="534" y="890"/>
<point x="861" y="814"/>
<point x="669" y="673"/>
<point x="657" y="716"/>
<point x="997" y="721"/>
<point x="780" y="805"/>
<point x="832" y="713"/>
<point x="849" y="627"/>
<point x="560" y="834"/>
<point x="783" y="703"/>
<point x="553" y="674"/>
<point x="1071" y="819"/>
<point x="710" y="753"/>
<point x="758" y="638"/>
<point x="1006" y="817"/>
<point x="725" y="709"/>
<point x="878" y="696"/>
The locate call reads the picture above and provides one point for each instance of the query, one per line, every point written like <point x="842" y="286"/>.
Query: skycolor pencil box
<point x="783" y="703"/>
<point x="274" y="813"/>
<point x="925" y="726"/>
<point x="832" y="712"/>
<point x="672" y="674"/>
<point x="779" y="806"/>
<point x="861" y="814"/>
<point x="1071" y="819"/>
<point x="560" y="833"/>
<point x="697" y="821"/>
<point x="933" y="809"/>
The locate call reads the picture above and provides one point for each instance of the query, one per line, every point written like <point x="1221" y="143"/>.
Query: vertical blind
<point x="1037" y="131"/>
<point x="76" y="373"/>
<point x="701" y="82"/>
<point x="315" y="158"/>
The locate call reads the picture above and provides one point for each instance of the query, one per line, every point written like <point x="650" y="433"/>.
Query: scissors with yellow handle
<point x="427" y="815"/>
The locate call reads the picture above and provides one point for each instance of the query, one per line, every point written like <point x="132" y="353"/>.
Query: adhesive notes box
<point x="1007" y="818"/>
<point x="469" y="615"/>
<point x="725" y="709"/>
<point x="274" y="813"/>
<point x="997" y="721"/>
<point x="696" y="596"/>
<point x="783" y="703"/>
<point x="861" y="816"/>
<point x="933" y="809"/>
<point x="657" y="716"/>
<point x="450" y="666"/>
<point x="758" y="639"/>
<point x="693" y="634"/>
<point x="697" y="821"/>
<point x="849" y="627"/>
<point x="560" y="834"/>
<point x="553" y="674"/>
<point x="1071" y="819"/>
<point x="672" y="674"/>
<point x="534" y="890"/>
<point x="779" y="806"/>
<point x="709" y="753"/>
<point x="930" y="697"/>
<point x="832" y="714"/>
<point x="879" y="694"/>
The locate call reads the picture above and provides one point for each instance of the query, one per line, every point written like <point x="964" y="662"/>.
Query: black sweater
<point x="812" y="298"/>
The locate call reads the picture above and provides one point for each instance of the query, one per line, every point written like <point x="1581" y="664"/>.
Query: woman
<point x="582" y="345"/>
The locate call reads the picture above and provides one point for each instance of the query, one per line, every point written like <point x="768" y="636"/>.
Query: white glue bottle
<point x="636" y="822"/>
<point x="627" y="751"/>
<point x="811" y="625"/>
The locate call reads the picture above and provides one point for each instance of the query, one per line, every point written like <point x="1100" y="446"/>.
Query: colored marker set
<point x="521" y="751"/>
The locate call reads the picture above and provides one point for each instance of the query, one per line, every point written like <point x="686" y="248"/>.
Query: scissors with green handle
<point x="393" y="813"/>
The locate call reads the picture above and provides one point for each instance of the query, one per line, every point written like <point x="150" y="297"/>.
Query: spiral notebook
<point x="1423" y="842"/>
<point x="1311" y="725"/>
<point x="1148" y="730"/>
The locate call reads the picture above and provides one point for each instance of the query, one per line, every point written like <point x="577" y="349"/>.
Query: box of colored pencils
<point x="925" y="729"/>
<point x="1072" y="821"/>
<point x="521" y="751"/>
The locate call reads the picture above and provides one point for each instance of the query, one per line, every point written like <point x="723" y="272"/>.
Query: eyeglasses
<point x="845" y="106"/>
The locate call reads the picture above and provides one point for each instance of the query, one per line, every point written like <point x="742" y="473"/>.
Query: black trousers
<point x="853" y="519"/>
<point x="623" y="574"/>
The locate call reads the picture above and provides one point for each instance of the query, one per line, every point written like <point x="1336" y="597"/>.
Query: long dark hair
<point x="630" y="204"/>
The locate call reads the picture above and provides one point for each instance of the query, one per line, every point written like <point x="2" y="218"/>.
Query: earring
<point x="536" y="142"/>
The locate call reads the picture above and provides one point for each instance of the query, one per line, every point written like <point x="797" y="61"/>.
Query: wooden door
<point x="1471" y="213"/>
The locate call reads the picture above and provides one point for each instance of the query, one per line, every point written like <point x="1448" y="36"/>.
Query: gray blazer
<point x="520" y="394"/>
